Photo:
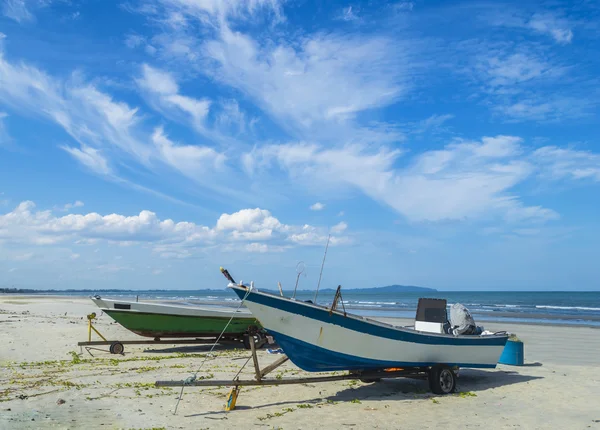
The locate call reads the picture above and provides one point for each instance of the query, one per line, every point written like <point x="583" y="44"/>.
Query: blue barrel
<point x="513" y="353"/>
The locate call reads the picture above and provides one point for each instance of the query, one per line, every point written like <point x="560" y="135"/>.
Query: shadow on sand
<point x="401" y="389"/>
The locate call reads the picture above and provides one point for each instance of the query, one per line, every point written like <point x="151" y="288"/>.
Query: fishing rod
<point x="322" y="264"/>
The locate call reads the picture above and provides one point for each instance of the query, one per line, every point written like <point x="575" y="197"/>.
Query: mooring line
<point x="190" y="380"/>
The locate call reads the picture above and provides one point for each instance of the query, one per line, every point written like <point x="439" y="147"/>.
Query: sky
<point x="453" y="145"/>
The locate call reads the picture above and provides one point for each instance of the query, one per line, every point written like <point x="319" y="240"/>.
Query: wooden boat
<point x="318" y="339"/>
<point x="160" y="320"/>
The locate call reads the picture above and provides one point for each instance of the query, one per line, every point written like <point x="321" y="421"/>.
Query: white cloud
<point x="309" y="85"/>
<point x="249" y="220"/>
<point x="69" y="206"/>
<point x="163" y="86"/>
<point x="523" y="82"/>
<point x="339" y="227"/>
<point x="91" y="158"/>
<point x="110" y="133"/>
<point x="89" y="116"/>
<point x="193" y="161"/>
<point x="465" y="180"/>
<point x="257" y="247"/>
<point x="25" y="225"/>
<point x="565" y="163"/>
<point x="134" y="40"/>
<point x="347" y="14"/>
<point x="317" y="207"/>
<point x="216" y="11"/>
<point x="313" y="83"/>
<point x="231" y="118"/>
<point x="513" y="68"/>
<point x="74" y="256"/>
<point x="551" y="108"/>
<point x="433" y="122"/>
<point x="18" y="10"/>
<point x="309" y="235"/>
<point x="546" y="23"/>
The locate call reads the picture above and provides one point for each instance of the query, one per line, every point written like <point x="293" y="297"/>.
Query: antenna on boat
<point x="322" y="264"/>
<point x="300" y="267"/>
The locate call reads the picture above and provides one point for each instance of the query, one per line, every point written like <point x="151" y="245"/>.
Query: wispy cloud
<point x="309" y="85"/>
<point x="545" y="23"/>
<point x="90" y="158"/>
<point x="4" y="136"/>
<point x="162" y="86"/>
<point x="465" y="180"/>
<point x="347" y="14"/>
<point x="432" y="123"/>
<point x="18" y="10"/>
<point x="317" y="206"/>
<point x="567" y="163"/>
<point x="526" y="82"/>
<point x="552" y="25"/>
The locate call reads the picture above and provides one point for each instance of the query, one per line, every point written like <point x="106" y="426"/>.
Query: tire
<point x="116" y="348"/>
<point x="260" y="340"/>
<point x="442" y="380"/>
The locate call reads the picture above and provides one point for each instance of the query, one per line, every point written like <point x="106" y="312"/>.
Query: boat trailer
<point x="442" y="378"/>
<point x="118" y="346"/>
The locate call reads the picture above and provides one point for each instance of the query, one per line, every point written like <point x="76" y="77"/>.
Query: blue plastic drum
<point x="512" y="354"/>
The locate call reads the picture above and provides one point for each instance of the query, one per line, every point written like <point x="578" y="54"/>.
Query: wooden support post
<point x="255" y="358"/>
<point x="273" y="366"/>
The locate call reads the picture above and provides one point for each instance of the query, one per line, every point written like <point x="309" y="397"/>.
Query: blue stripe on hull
<point x="363" y="326"/>
<point x="313" y="358"/>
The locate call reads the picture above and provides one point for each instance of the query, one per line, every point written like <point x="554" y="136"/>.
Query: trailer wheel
<point x="442" y="380"/>
<point x="259" y="340"/>
<point x="116" y="348"/>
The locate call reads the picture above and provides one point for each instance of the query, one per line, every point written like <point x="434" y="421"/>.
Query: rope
<point x="190" y="380"/>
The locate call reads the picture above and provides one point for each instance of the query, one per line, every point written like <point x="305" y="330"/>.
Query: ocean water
<point x="572" y="308"/>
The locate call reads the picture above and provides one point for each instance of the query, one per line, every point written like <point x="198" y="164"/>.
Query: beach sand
<point x="44" y="383"/>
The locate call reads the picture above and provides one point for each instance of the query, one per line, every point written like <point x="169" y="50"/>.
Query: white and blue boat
<point x="320" y="339"/>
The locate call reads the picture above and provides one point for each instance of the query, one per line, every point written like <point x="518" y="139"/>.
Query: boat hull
<point x="316" y="340"/>
<point x="168" y="321"/>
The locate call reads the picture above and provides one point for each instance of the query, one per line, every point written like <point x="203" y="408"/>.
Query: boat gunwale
<point x="129" y="312"/>
<point x="361" y="318"/>
<point x="221" y="309"/>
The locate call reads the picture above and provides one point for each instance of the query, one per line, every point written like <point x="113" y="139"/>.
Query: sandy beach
<point x="46" y="382"/>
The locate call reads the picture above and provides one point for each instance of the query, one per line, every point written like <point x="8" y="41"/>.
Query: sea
<point x="557" y="308"/>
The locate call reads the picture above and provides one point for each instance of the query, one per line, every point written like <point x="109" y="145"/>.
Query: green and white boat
<point x="160" y="320"/>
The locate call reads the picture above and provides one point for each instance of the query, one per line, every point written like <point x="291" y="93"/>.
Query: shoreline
<point x="481" y="318"/>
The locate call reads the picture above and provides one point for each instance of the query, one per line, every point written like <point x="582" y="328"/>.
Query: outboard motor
<point x="462" y="322"/>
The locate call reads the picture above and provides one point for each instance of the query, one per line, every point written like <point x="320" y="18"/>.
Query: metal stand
<point x="117" y="346"/>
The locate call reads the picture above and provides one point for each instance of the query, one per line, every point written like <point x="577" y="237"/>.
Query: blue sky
<point x="145" y="143"/>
